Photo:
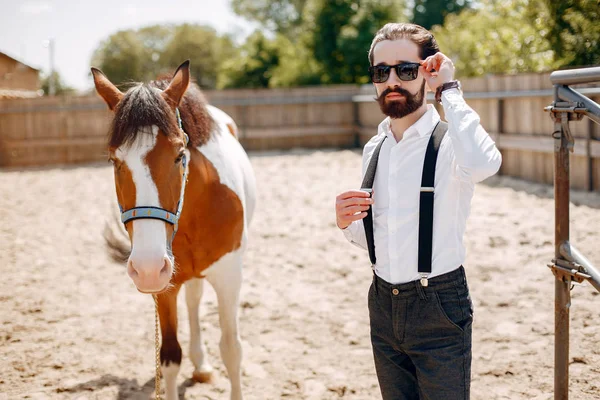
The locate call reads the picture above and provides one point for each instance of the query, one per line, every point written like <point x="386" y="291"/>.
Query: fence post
<point x="562" y="294"/>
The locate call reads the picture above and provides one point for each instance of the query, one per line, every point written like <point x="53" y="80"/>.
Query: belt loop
<point x="420" y="290"/>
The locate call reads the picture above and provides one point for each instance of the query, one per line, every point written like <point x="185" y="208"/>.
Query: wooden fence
<point x="67" y="130"/>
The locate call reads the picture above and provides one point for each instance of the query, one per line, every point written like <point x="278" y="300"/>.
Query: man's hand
<point x="351" y="206"/>
<point x="443" y="67"/>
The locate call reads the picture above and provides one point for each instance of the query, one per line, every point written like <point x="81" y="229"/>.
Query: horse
<point x="170" y="148"/>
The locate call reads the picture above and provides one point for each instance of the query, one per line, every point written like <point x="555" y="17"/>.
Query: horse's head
<point x="148" y="150"/>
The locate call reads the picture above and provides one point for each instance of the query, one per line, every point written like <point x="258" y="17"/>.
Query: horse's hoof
<point x="202" y="376"/>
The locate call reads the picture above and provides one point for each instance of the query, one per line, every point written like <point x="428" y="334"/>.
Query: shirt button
<point x="395" y="292"/>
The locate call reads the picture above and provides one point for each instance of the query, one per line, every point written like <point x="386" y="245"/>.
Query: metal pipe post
<point x="562" y="301"/>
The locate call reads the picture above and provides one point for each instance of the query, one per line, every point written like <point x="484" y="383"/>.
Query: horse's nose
<point x="150" y="276"/>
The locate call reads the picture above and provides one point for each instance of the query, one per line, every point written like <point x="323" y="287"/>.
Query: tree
<point x="254" y="65"/>
<point x="144" y="54"/>
<point x="343" y="32"/>
<point x="297" y="65"/>
<point x="278" y="16"/>
<point x="202" y="45"/>
<point x="573" y="31"/>
<point x="499" y="37"/>
<point x="428" y="13"/>
<point x="122" y="57"/>
<point x="60" y="88"/>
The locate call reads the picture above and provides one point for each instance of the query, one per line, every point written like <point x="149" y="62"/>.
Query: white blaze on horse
<point x="163" y="134"/>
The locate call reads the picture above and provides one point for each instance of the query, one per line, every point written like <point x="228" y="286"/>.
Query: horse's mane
<point x="143" y="105"/>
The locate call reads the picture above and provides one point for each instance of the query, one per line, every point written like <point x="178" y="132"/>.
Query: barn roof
<point x="19" y="61"/>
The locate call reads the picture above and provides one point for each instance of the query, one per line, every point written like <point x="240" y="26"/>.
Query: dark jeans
<point x="421" y="337"/>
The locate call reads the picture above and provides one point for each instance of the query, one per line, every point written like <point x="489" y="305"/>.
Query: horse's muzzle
<point x="150" y="276"/>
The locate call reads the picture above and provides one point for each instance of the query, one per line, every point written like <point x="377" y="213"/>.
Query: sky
<point x="78" y="27"/>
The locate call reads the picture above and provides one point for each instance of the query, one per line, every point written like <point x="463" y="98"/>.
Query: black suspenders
<point x="425" y="201"/>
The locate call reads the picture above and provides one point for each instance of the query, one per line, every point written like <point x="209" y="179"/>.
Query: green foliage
<point x="200" y="44"/>
<point x="311" y="42"/>
<point x="574" y="31"/>
<point x="122" y="57"/>
<point x="429" y="13"/>
<point x="60" y="88"/>
<point x="297" y="65"/>
<point x="325" y="41"/>
<point x="144" y="54"/>
<point x="344" y="30"/>
<point x="254" y="66"/>
<point x="498" y="37"/>
<point x="279" y="16"/>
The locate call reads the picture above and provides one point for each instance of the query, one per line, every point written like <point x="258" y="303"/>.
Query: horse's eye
<point x="179" y="158"/>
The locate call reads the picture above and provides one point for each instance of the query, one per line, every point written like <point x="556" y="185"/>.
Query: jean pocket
<point x="455" y="306"/>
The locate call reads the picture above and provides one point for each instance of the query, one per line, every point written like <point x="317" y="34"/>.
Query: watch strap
<point x="445" y="86"/>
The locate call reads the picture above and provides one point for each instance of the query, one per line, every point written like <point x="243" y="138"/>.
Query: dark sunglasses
<point x="407" y="71"/>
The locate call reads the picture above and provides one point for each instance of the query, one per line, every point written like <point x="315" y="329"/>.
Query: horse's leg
<point x="226" y="279"/>
<point x="170" y="350"/>
<point x="193" y="294"/>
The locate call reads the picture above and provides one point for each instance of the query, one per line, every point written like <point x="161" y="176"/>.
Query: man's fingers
<point x="434" y="62"/>
<point x="342" y="204"/>
<point x="353" y="210"/>
<point x="355" y="217"/>
<point x="352" y="193"/>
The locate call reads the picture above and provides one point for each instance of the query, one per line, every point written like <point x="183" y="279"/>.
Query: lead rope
<point x="157" y="350"/>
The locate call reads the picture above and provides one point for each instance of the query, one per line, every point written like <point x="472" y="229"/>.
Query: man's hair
<point x="415" y="33"/>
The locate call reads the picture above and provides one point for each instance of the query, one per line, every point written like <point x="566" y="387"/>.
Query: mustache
<point x="395" y="89"/>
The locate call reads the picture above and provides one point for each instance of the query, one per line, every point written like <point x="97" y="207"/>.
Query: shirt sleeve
<point x="355" y="234"/>
<point x="476" y="156"/>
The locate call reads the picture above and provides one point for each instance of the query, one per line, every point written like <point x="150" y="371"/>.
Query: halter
<point x="157" y="212"/>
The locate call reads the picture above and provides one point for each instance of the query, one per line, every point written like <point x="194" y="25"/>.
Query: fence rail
<point x="47" y="131"/>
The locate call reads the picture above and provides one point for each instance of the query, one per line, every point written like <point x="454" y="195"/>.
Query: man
<point x="420" y="320"/>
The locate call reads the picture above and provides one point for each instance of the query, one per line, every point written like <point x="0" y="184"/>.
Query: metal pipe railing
<point x="575" y="76"/>
<point x="569" y="264"/>
<point x="570" y="253"/>
<point x="590" y="108"/>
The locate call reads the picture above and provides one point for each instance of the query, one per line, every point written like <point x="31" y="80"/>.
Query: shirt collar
<point x="423" y="127"/>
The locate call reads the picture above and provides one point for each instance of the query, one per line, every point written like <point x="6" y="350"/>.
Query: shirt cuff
<point x="351" y="231"/>
<point x="451" y="96"/>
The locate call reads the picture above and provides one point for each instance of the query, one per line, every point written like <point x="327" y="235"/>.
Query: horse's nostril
<point x="131" y="269"/>
<point x="165" y="267"/>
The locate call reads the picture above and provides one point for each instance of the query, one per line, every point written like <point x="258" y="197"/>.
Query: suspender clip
<point x="427" y="189"/>
<point x="424" y="281"/>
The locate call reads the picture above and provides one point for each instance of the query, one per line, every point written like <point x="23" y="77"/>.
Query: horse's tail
<point x="117" y="243"/>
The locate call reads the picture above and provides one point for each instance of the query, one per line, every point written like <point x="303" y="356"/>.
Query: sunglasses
<point x="407" y="71"/>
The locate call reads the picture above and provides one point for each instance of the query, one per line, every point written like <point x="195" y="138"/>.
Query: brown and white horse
<point x="152" y="160"/>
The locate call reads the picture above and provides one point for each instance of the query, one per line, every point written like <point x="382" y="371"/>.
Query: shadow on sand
<point x="129" y="389"/>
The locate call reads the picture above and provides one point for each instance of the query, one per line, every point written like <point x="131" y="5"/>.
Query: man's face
<point x="398" y="98"/>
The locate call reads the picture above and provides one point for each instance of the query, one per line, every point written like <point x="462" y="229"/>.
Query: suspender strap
<point x="426" y="201"/>
<point x="368" y="184"/>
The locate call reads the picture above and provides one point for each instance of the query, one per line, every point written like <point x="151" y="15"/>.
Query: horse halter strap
<point x="157" y="212"/>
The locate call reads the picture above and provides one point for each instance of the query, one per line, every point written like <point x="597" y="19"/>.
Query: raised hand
<point x="444" y="70"/>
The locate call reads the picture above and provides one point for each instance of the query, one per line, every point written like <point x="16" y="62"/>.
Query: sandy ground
<point x="72" y="325"/>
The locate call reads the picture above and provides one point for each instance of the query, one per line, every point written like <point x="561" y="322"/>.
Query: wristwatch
<point x="445" y="86"/>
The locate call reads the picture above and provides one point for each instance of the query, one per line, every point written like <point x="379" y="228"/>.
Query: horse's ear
<point x="178" y="85"/>
<point x="106" y="89"/>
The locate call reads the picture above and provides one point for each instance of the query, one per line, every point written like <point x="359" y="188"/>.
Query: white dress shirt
<point x="466" y="156"/>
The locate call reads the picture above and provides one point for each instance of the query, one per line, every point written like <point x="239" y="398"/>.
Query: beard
<point x="401" y="108"/>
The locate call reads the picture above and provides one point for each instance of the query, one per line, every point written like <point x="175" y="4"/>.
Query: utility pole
<point x="52" y="78"/>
